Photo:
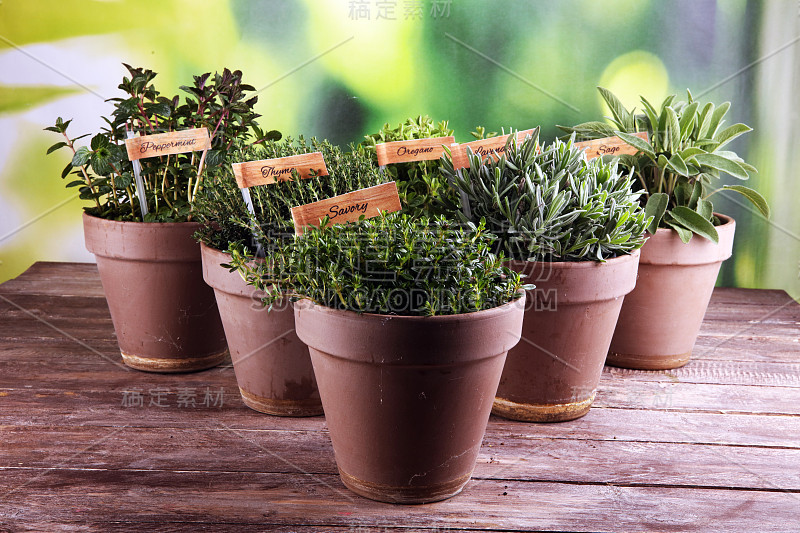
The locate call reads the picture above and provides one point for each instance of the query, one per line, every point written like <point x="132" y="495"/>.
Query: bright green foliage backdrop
<point x="341" y="68"/>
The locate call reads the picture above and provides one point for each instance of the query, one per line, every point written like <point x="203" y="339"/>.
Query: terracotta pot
<point x="661" y="318"/>
<point x="552" y="374"/>
<point x="272" y="366"/>
<point x="164" y="314"/>
<point x="407" y="399"/>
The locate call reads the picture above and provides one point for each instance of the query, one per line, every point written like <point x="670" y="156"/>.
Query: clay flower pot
<point x="272" y="366"/>
<point x="407" y="399"/>
<point x="552" y="374"/>
<point x="661" y="318"/>
<point x="164" y="314"/>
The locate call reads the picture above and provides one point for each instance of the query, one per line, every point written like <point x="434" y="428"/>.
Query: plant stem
<point x="83" y="171"/>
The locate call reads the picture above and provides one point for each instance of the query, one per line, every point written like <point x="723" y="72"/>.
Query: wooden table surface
<point x="88" y="445"/>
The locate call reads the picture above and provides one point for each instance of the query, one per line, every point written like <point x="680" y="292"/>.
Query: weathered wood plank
<point x="37" y="408"/>
<point x="614" y="392"/>
<point x="320" y="500"/>
<point x="57" y="279"/>
<point x="501" y="457"/>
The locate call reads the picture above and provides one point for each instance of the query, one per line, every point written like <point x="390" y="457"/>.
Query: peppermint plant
<point x="103" y="174"/>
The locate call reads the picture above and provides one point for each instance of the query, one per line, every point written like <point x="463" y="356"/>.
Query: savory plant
<point x="104" y="174"/>
<point x="220" y="209"/>
<point x="420" y="185"/>
<point x="551" y="204"/>
<point x="391" y="264"/>
<point x="681" y="160"/>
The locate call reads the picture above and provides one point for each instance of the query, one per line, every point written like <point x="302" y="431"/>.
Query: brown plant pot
<point x="164" y="314"/>
<point x="552" y="374"/>
<point x="661" y="318"/>
<point x="407" y="399"/>
<point x="272" y="366"/>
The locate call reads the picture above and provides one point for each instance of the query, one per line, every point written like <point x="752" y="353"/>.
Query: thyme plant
<point x="681" y="161"/>
<point x="222" y="211"/>
<point x="552" y="204"/>
<point x="105" y="175"/>
<point x="391" y="264"/>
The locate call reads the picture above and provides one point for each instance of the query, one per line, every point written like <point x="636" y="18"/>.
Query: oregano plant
<point x="420" y="184"/>
<point x="680" y="163"/>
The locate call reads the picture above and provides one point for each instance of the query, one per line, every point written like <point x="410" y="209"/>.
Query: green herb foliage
<point x="420" y="184"/>
<point x="550" y="205"/>
<point x="682" y="159"/>
<point x="391" y="264"/>
<point x="223" y="213"/>
<point x="105" y="175"/>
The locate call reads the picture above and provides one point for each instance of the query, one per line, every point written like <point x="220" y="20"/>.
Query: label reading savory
<point x="349" y="207"/>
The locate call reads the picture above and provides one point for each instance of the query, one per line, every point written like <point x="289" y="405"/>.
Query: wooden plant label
<point x="174" y="142"/>
<point x="609" y="146"/>
<point x="493" y="146"/>
<point x="413" y="150"/>
<point x="348" y="207"/>
<point x="267" y="171"/>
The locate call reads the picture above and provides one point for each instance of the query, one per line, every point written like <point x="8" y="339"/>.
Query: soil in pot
<point x="272" y="366"/>
<point x="553" y="373"/>
<point x="661" y="317"/>
<point x="407" y="399"/>
<point x="164" y="314"/>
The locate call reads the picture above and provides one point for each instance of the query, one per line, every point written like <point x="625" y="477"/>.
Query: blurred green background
<point x="341" y="68"/>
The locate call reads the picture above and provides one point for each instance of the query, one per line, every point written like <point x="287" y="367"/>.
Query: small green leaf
<point x="684" y="234"/>
<point x="716" y="118"/>
<point x="637" y="143"/>
<point x="56" y="147"/>
<point x="674" y="130"/>
<point x="695" y="222"/>
<point x="621" y="115"/>
<point x="730" y="133"/>
<point x="722" y="164"/>
<point x="81" y="157"/>
<point x="677" y="164"/>
<point x="704" y="208"/>
<point x="759" y="201"/>
<point x="656" y="207"/>
<point x="100" y="141"/>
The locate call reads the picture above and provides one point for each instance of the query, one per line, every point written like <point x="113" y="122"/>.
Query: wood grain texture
<point x="268" y="171"/>
<point x="712" y="446"/>
<point x="174" y="142"/>
<point x="348" y="207"/>
<point x="413" y="150"/>
<point x="492" y="147"/>
<point x="609" y="146"/>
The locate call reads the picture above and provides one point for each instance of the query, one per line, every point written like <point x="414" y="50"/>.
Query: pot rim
<point x="133" y="222"/>
<point x="484" y="314"/>
<point x="582" y="264"/>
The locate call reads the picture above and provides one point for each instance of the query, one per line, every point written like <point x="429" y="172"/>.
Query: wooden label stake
<point x="493" y="146"/>
<point x="413" y="150"/>
<point x="268" y="171"/>
<point x="174" y="142"/>
<point x="609" y="146"/>
<point x="348" y="207"/>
